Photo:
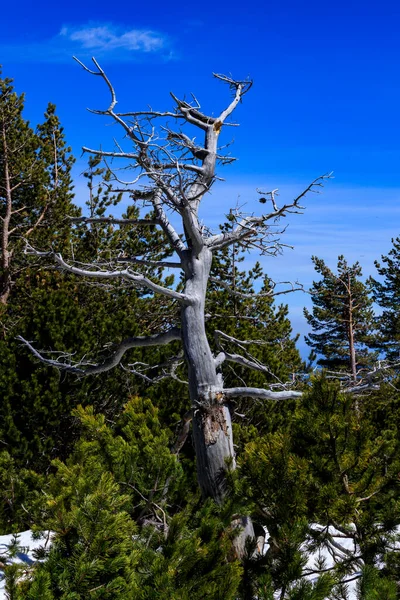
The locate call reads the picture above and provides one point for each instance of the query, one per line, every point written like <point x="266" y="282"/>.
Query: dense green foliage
<point x="386" y="293"/>
<point x="95" y="460"/>
<point x="335" y="464"/>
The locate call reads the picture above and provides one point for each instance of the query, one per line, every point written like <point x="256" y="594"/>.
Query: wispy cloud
<point x="106" y="40"/>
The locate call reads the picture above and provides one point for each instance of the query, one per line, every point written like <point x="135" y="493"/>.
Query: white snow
<point x="332" y="550"/>
<point x="25" y="554"/>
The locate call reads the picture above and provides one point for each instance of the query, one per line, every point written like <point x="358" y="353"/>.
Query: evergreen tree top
<point x="342" y="316"/>
<point x="386" y="293"/>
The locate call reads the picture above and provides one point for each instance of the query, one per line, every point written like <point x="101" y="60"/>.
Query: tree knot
<point x="213" y="420"/>
<point x="217" y="127"/>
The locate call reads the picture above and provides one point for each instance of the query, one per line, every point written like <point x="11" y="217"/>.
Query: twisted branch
<point x="84" y="368"/>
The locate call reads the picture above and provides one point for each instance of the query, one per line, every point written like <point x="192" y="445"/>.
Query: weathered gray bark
<point x="212" y="428"/>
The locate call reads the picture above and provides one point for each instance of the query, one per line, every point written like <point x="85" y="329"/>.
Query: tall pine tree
<point x="386" y="294"/>
<point x="35" y="184"/>
<point x="18" y="173"/>
<point x="342" y="317"/>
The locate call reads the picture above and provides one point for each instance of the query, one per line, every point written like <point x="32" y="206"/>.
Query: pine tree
<point x="332" y="468"/>
<point x="342" y="317"/>
<point x="56" y="160"/>
<point x="386" y="294"/>
<point x="373" y="587"/>
<point x="124" y="523"/>
<point x="189" y="171"/>
<point x="18" y="181"/>
<point x="18" y="489"/>
<point x="353" y="452"/>
<point x="40" y="587"/>
<point x="35" y="183"/>
<point x="49" y="307"/>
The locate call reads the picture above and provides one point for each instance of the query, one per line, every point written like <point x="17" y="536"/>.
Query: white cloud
<point x="111" y="38"/>
<point x="108" y="41"/>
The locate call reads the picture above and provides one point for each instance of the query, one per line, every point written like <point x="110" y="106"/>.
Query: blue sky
<point x="326" y="96"/>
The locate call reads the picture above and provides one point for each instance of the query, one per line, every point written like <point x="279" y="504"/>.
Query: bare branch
<point x="270" y="294"/>
<point x="241" y="360"/>
<point x="229" y="338"/>
<point x="152" y="114"/>
<point x="240" y="87"/>
<point x="135" y="278"/>
<point x="102" y="74"/>
<point x="192" y="115"/>
<point x="260" y="394"/>
<point x="167" y="227"/>
<point x="182" y="433"/>
<point x="251" y="362"/>
<point x="219" y="359"/>
<point x="168" y="370"/>
<point x="82" y="368"/>
<point x="165" y="264"/>
<point x="254" y="227"/>
<point x="103" y="153"/>
<point x="370" y="495"/>
<point x="364" y="387"/>
<point x="368" y="379"/>
<point x="114" y="221"/>
<point x="157" y="167"/>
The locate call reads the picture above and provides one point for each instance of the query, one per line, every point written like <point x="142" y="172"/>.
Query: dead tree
<point x="172" y="172"/>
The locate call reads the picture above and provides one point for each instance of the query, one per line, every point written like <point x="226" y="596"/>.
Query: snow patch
<point x="25" y="555"/>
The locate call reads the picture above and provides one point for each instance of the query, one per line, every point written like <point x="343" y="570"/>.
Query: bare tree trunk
<point x="212" y="428"/>
<point x="5" y="277"/>
<point x="353" y="361"/>
<point x="352" y="349"/>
